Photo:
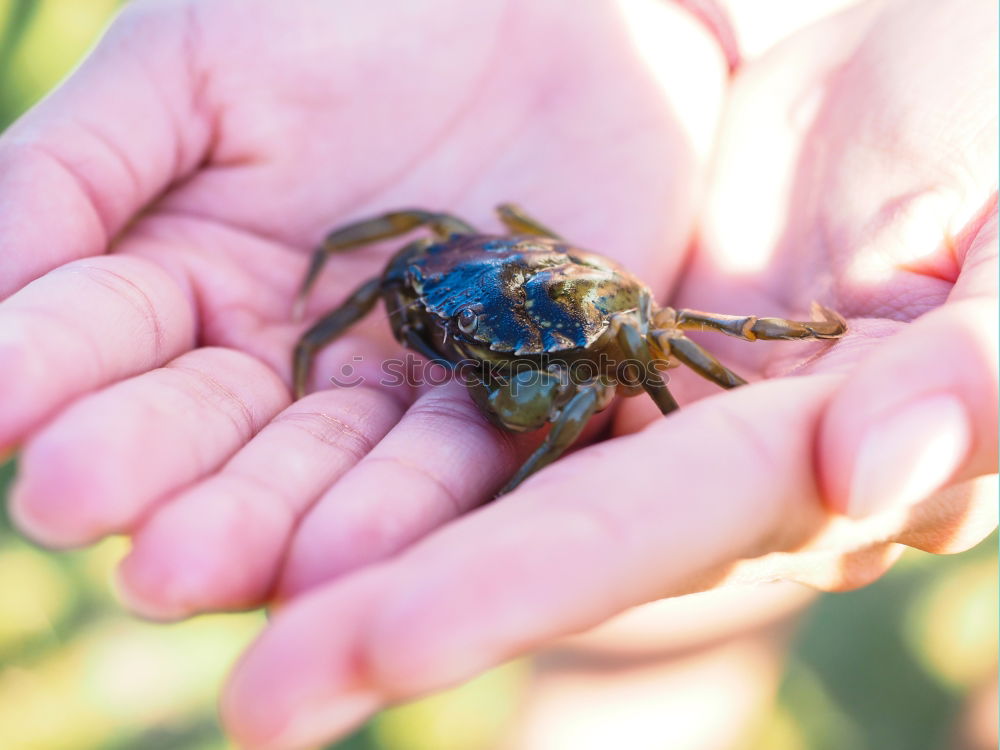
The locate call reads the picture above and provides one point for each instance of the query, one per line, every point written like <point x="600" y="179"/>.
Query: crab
<point x="546" y="333"/>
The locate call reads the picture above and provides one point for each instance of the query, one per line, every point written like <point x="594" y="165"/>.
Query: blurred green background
<point x="908" y="663"/>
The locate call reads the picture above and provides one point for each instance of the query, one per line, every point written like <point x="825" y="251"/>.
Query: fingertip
<point x="61" y="498"/>
<point x="139" y="594"/>
<point x="40" y="527"/>
<point x="907" y="454"/>
<point x="246" y="712"/>
<point x="213" y="548"/>
<point x="162" y="583"/>
<point x="19" y="386"/>
<point x="919" y="413"/>
<point x="307" y="728"/>
<point x="302" y="683"/>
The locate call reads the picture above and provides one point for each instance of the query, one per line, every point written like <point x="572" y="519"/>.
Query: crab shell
<point x="532" y="295"/>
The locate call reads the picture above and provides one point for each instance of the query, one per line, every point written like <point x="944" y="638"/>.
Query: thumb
<point x="921" y="413"/>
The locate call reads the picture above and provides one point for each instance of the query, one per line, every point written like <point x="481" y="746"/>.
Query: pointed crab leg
<point x="565" y="430"/>
<point x="364" y="232"/>
<point x="699" y="359"/>
<point x="827" y="325"/>
<point x="329" y="327"/>
<point x="518" y="222"/>
<point x="635" y="347"/>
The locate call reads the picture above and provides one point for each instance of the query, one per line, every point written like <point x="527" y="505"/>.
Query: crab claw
<point x="833" y="323"/>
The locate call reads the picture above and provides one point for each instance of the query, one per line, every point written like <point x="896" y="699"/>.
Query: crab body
<point x="520" y="313"/>
<point x="503" y="298"/>
<point x="541" y="331"/>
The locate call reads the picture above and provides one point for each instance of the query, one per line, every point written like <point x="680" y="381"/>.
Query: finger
<point x="614" y="525"/>
<point x="113" y="455"/>
<point x="81" y="326"/>
<point x="843" y="556"/>
<point x="442" y="459"/>
<point x="921" y="411"/>
<point x="219" y="544"/>
<point x="77" y="167"/>
<point x="299" y="685"/>
<point x="953" y="520"/>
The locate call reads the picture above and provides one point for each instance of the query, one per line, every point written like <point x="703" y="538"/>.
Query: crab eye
<point x="467" y="320"/>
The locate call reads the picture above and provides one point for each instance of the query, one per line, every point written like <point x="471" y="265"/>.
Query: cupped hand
<point x="855" y="165"/>
<point x="157" y="213"/>
<point x="149" y="384"/>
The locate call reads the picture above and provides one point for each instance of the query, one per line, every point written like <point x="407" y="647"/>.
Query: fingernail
<point x="908" y="455"/>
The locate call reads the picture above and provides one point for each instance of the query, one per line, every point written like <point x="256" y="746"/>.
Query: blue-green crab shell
<point x="532" y="295"/>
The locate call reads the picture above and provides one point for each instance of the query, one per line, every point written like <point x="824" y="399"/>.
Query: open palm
<point x="241" y="144"/>
<point x="216" y="141"/>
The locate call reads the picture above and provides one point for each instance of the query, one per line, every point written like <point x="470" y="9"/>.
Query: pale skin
<point x="147" y="382"/>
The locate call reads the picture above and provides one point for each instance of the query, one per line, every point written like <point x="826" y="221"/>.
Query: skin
<point x="147" y="379"/>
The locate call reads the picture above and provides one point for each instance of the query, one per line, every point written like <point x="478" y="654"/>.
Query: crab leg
<point x="635" y="348"/>
<point x="827" y="325"/>
<point x="565" y="429"/>
<point x="327" y="328"/>
<point x="696" y="357"/>
<point x="518" y="222"/>
<point x="382" y="227"/>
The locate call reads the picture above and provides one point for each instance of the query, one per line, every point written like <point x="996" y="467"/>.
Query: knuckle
<point x="200" y="384"/>
<point x="450" y="408"/>
<point x="335" y="430"/>
<point x="146" y="292"/>
<point x="455" y="503"/>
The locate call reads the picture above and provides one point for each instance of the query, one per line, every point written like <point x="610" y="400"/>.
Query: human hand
<point x="215" y="143"/>
<point x="836" y="179"/>
<point x="218" y="542"/>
